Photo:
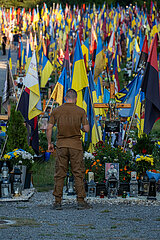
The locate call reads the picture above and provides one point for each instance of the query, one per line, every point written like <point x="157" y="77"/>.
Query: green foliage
<point x="17" y="132"/>
<point x="30" y="4"/>
<point x="144" y="145"/>
<point x="43" y="143"/>
<point x="156" y="156"/>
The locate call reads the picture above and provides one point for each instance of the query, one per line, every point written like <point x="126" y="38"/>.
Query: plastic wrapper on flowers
<point x="19" y="157"/>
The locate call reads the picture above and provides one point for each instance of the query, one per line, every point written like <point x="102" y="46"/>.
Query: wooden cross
<point x="112" y="105"/>
<point x="5" y="117"/>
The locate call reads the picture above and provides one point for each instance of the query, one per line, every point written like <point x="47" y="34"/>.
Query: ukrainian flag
<point x="28" y="58"/>
<point x="131" y="96"/>
<point x="92" y="136"/>
<point x="47" y="69"/>
<point x="79" y="74"/>
<point x="99" y="96"/>
<point x="100" y="59"/>
<point x="61" y="87"/>
<point x="85" y="50"/>
<point x="154" y="29"/>
<point x="9" y="59"/>
<point x="140" y="113"/>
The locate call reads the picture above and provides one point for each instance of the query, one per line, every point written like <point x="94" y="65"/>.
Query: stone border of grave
<point x="141" y="200"/>
<point x="26" y="195"/>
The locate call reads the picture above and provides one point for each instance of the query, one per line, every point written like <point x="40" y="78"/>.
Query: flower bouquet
<point x="19" y="157"/>
<point x="144" y="163"/>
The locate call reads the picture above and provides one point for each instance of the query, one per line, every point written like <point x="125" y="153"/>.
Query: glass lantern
<point x="133" y="185"/>
<point x="145" y="185"/>
<point x="91" y="189"/>
<point x="6" y="189"/>
<point x="112" y="186"/>
<point x="71" y="186"/>
<point x="5" y="170"/>
<point x="17" y="188"/>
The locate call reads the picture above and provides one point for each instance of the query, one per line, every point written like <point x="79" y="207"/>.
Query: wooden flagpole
<point x="125" y="140"/>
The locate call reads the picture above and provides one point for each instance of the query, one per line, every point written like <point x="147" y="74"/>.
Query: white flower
<point x="20" y="162"/>
<point x="88" y="155"/>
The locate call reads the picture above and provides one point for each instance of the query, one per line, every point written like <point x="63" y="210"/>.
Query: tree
<point x="17" y="132"/>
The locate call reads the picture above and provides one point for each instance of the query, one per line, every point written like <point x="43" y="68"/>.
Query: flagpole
<point x="52" y="105"/>
<point x="4" y="146"/>
<point x="45" y="108"/>
<point x="125" y="141"/>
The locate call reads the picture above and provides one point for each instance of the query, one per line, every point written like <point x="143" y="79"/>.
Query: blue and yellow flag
<point x="61" y="87"/>
<point x="47" y="69"/>
<point x="85" y="50"/>
<point x="140" y="109"/>
<point x="79" y="74"/>
<point x="92" y="136"/>
<point x="28" y="58"/>
<point x="9" y="59"/>
<point x="100" y="60"/>
<point x="129" y="95"/>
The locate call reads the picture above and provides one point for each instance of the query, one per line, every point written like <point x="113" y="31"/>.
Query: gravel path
<point x="111" y="220"/>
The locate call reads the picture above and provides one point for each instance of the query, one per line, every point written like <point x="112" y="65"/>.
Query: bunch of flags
<point x="97" y="47"/>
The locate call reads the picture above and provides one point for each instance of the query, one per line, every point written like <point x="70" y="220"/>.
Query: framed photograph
<point x="111" y="169"/>
<point x="44" y="123"/>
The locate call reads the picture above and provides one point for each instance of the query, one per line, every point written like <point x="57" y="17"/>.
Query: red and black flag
<point x="94" y="55"/>
<point x="144" y="54"/>
<point x="66" y="62"/>
<point x="151" y="88"/>
<point x="23" y="108"/>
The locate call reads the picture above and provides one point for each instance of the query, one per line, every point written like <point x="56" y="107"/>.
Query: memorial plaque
<point x="112" y="126"/>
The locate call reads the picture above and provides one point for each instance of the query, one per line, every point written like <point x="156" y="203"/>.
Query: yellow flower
<point x="15" y="149"/>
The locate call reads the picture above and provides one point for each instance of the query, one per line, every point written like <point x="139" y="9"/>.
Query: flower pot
<point x="47" y="156"/>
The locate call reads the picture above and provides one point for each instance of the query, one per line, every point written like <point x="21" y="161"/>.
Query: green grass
<point x="105" y="211"/>
<point x="43" y="175"/>
<point x="21" y="207"/>
<point x="45" y="235"/>
<point x="20" y="222"/>
<point x="113" y="227"/>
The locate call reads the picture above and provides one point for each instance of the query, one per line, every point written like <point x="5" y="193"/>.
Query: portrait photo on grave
<point x="111" y="169"/>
